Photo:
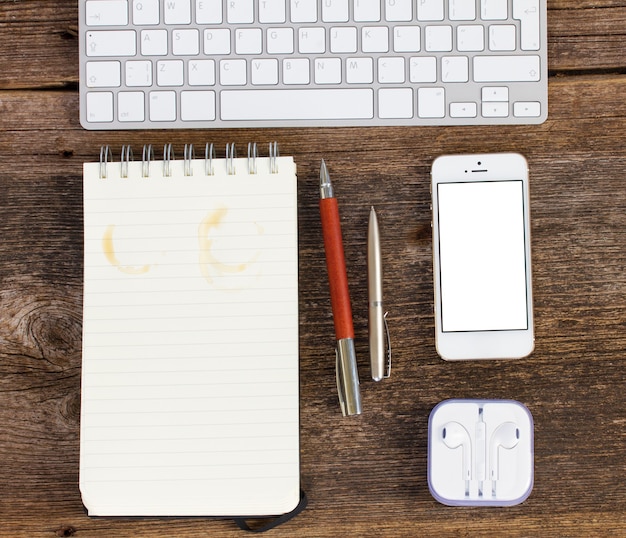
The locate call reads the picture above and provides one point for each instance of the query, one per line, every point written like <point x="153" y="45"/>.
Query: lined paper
<point x="190" y="341"/>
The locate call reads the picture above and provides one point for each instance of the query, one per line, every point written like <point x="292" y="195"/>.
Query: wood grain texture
<point x="365" y="476"/>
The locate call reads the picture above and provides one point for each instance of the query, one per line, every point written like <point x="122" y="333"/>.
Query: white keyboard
<point x="274" y="63"/>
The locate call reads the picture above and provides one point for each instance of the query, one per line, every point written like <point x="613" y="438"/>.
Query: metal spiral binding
<point x="209" y="156"/>
<point x="273" y="157"/>
<point x="230" y="159"/>
<point x="253" y="153"/>
<point x="148" y="155"/>
<point x="189" y="156"/>
<point x="168" y="157"/>
<point x="105" y="157"/>
<point x="126" y="157"/>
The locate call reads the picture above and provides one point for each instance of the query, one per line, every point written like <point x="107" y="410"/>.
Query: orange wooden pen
<point x="347" y="374"/>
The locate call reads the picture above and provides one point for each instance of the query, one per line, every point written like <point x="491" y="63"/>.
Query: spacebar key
<point x="305" y="104"/>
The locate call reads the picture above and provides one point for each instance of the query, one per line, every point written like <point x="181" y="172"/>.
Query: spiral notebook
<point x="190" y="336"/>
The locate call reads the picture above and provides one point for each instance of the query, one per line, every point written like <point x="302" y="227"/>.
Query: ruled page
<point x="190" y="341"/>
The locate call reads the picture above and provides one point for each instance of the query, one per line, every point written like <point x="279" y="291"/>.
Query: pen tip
<point x="326" y="188"/>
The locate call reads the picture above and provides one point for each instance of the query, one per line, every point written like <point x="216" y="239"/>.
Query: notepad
<point x="190" y="338"/>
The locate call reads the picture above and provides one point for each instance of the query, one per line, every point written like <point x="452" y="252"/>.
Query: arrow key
<point x="463" y="110"/>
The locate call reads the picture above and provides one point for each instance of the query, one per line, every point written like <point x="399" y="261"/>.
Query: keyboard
<point x="154" y="64"/>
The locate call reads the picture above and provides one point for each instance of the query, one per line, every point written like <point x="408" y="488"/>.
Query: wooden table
<point x="364" y="476"/>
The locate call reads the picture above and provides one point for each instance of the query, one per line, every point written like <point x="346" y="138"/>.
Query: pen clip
<point x="388" y="353"/>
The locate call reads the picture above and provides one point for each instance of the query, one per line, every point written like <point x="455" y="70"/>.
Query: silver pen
<point x="376" y="316"/>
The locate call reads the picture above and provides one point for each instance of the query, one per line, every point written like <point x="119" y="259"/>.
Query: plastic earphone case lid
<point x="500" y="448"/>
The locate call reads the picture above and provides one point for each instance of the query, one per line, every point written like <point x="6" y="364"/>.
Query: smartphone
<point x="481" y="257"/>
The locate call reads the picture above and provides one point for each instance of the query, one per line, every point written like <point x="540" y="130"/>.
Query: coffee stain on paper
<point x="209" y="263"/>
<point x="108" y="248"/>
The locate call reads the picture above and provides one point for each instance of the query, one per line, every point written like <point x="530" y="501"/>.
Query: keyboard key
<point x="391" y="70"/>
<point x="462" y="10"/>
<point x="103" y="74"/>
<point x="431" y="103"/>
<point x="106" y="13"/>
<point x="210" y="11"/>
<point x="506" y="68"/>
<point x="495" y="93"/>
<point x="343" y="39"/>
<point x="145" y="12"/>
<point x="303" y="11"/>
<point x="494" y="10"/>
<point x="270" y="11"/>
<point x="130" y="106"/>
<point x="111" y="43"/>
<point x="527" y="109"/>
<point x="169" y="73"/>
<point x="310" y="104"/>
<point x="430" y="10"/>
<point x="197" y="106"/>
<point x="327" y="70"/>
<point x="233" y="72"/>
<point x="463" y="110"/>
<point x="138" y="73"/>
<point x="296" y="71"/>
<point x="367" y="10"/>
<point x="527" y="11"/>
<point x="375" y="39"/>
<point x="438" y="38"/>
<point x="311" y="40"/>
<point x="178" y="11"/>
<point x="264" y="71"/>
<point x="359" y="70"/>
<point x="335" y="11"/>
<point x="454" y="69"/>
<point x="280" y="41"/>
<point x="470" y="38"/>
<point x="185" y="42"/>
<point x="248" y="41"/>
<point x="201" y="72"/>
<point x="406" y="38"/>
<point x="240" y="11"/>
<point x="153" y="42"/>
<point x="495" y="110"/>
<point x="162" y="106"/>
<point x="217" y="41"/>
<point x="398" y="10"/>
<point x="99" y="107"/>
<point x="395" y="103"/>
<point x="501" y="37"/>
<point x="423" y="69"/>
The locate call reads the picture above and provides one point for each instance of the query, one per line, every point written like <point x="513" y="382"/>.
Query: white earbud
<point x="505" y="436"/>
<point x="454" y="436"/>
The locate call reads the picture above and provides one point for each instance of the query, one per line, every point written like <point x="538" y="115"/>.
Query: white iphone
<point x="481" y="254"/>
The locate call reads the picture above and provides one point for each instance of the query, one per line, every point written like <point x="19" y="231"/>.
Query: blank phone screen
<point x="482" y="256"/>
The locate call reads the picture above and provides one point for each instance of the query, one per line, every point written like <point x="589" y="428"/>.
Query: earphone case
<point x="499" y="436"/>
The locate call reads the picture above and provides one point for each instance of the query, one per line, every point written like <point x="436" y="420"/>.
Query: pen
<point x="376" y="317"/>
<point x="347" y="375"/>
